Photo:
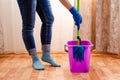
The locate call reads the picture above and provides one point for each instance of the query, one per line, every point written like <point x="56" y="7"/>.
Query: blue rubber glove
<point x="76" y="16"/>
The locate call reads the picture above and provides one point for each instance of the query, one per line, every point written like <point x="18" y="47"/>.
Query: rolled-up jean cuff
<point x="32" y="52"/>
<point x="46" y="47"/>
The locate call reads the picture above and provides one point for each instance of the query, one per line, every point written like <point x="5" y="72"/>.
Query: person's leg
<point x="28" y="10"/>
<point x="45" y="13"/>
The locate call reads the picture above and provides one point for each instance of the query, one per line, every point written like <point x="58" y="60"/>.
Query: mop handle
<point x="78" y="31"/>
<point x="78" y="5"/>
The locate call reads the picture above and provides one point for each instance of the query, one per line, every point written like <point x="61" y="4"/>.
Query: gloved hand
<point x="76" y="16"/>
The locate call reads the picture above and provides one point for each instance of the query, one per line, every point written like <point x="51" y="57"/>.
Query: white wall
<point x="6" y="22"/>
<point x="11" y="23"/>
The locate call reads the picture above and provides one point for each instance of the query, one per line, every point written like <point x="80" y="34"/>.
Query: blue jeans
<point x="28" y="9"/>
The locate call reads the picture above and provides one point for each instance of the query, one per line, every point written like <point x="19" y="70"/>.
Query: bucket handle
<point x="65" y="48"/>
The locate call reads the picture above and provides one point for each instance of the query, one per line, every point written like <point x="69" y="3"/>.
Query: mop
<point x="78" y="51"/>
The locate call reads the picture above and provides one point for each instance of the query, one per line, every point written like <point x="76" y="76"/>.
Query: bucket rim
<point x="90" y="45"/>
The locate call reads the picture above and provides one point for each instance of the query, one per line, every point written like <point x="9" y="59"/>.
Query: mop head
<point x="78" y="53"/>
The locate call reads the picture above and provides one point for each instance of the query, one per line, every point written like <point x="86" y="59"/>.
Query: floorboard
<point x="18" y="67"/>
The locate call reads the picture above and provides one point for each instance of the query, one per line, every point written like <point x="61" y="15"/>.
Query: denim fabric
<point x="28" y="9"/>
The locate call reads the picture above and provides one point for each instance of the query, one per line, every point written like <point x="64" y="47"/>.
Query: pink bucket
<point x="77" y="66"/>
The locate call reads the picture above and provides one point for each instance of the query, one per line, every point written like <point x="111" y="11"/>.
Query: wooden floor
<point x="18" y="67"/>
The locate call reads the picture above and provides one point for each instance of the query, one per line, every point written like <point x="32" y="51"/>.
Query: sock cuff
<point x="46" y="48"/>
<point x="32" y="52"/>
